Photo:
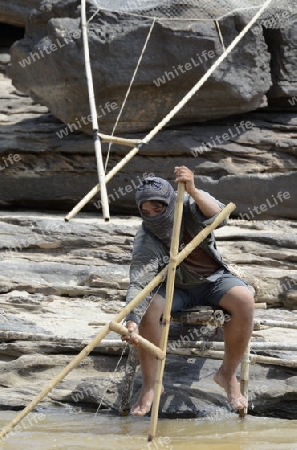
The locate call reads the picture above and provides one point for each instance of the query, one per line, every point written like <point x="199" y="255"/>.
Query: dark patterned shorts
<point x="206" y="294"/>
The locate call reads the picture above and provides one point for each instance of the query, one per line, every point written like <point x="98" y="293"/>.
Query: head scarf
<point x="161" y="225"/>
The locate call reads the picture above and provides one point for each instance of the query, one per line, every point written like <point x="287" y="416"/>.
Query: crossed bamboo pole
<point x="178" y="212"/>
<point x="119" y="317"/>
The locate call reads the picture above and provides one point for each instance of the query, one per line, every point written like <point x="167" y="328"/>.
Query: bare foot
<point x="144" y="402"/>
<point x="231" y="386"/>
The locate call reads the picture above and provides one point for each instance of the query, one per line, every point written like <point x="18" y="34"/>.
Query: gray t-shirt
<point x="150" y="256"/>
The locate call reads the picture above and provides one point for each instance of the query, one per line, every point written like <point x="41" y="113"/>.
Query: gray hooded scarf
<point x="161" y="225"/>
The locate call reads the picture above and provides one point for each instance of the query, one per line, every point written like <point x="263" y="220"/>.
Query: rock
<point x="39" y="169"/>
<point x="73" y="390"/>
<point x="290" y="298"/>
<point x="53" y="302"/>
<point x="52" y="52"/>
<point x="60" y="283"/>
<point x="273" y="274"/>
<point x="16" y="13"/>
<point x="265" y="253"/>
<point x="260" y="163"/>
<point x="42" y="257"/>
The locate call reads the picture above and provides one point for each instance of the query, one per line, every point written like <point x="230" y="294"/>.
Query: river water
<point x="84" y="431"/>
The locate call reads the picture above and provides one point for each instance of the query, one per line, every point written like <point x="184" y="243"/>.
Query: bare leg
<point x="149" y="328"/>
<point x="239" y="302"/>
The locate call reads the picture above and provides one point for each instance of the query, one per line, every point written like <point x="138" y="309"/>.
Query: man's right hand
<point x="133" y="329"/>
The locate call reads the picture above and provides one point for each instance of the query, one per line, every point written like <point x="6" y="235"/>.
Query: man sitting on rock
<point x="201" y="279"/>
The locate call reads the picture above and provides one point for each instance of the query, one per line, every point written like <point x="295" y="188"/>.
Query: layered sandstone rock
<point x="248" y="159"/>
<point x="60" y="283"/>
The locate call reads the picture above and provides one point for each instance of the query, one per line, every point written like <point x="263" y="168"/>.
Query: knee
<point x="246" y="300"/>
<point x="154" y="311"/>
<point x="239" y="302"/>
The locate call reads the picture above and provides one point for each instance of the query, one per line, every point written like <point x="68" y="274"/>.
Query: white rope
<point x="107" y="387"/>
<point x="220" y="34"/>
<point x="127" y="346"/>
<point x="95" y="14"/>
<point x="205" y="77"/>
<point x="129" y="88"/>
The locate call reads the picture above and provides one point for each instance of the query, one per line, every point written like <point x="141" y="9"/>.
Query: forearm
<point x="138" y="311"/>
<point x="207" y="205"/>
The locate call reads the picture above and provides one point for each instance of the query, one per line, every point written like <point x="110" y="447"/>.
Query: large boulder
<point x="48" y="63"/>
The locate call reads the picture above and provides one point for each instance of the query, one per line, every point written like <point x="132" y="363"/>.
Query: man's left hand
<point x="185" y="175"/>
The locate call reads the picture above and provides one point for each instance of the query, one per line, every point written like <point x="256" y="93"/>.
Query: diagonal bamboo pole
<point x="119" y="317"/>
<point x="172" y="113"/>
<point x="178" y="212"/>
<point x="97" y="142"/>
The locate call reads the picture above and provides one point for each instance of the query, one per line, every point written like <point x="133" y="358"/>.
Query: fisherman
<point x="201" y="279"/>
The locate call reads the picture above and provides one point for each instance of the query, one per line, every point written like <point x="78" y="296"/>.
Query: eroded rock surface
<point x="248" y="159"/>
<point x="60" y="283"/>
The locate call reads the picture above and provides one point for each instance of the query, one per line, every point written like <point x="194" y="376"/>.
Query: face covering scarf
<point x="161" y="225"/>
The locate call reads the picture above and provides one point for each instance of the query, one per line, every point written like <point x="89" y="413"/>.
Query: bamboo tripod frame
<point x="118" y="318"/>
<point x="170" y="115"/>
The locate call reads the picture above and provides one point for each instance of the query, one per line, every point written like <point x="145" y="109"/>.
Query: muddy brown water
<point x="49" y="429"/>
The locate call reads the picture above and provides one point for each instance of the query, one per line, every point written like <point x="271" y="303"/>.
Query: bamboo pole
<point x="254" y="359"/>
<point x="292" y="363"/>
<point x="178" y="213"/>
<point x="120" y="316"/>
<point x="175" y="110"/>
<point x="119" y="140"/>
<point x="96" y="189"/>
<point x="97" y="143"/>
<point x="244" y="377"/>
<point x="276" y="323"/>
<point x="215" y="354"/>
<point x="147" y="345"/>
<point x="260" y="305"/>
<point x="219" y="345"/>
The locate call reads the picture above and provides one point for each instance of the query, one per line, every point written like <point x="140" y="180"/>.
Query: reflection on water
<point x="82" y="431"/>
